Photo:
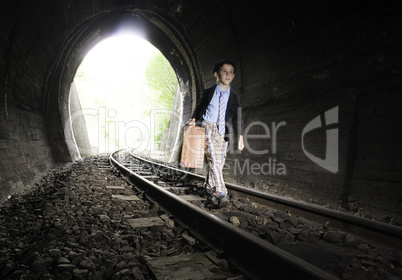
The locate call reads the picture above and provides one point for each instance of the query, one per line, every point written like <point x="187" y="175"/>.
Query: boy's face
<point x="225" y="74"/>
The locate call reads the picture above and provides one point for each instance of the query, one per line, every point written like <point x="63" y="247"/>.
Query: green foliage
<point x="82" y="75"/>
<point x="162" y="80"/>
<point x="151" y="87"/>
<point x="162" y="122"/>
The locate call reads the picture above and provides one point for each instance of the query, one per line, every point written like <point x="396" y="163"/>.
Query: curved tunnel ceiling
<point x="154" y="28"/>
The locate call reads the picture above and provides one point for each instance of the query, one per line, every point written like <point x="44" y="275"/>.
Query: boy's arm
<point x="198" y="108"/>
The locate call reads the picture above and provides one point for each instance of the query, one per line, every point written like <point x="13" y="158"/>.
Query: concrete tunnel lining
<point x="154" y="29"/>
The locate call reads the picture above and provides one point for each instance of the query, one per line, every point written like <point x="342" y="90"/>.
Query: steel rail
<point x="375" y="231"/>
<point x="255" y="257"/>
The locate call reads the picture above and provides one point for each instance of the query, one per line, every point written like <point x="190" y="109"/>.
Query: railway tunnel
<point x="319" y="83"/>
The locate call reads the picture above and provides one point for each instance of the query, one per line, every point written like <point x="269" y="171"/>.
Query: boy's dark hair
<point x="220" y="63"/>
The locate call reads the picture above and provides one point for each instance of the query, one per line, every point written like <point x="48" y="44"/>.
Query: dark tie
<point x="221" y="117"/>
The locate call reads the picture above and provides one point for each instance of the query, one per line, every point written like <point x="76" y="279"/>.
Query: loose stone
<point x="235" y="221"/>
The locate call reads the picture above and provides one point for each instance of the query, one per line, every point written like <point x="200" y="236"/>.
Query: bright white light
<point x="118" y="57"/>
<point x="114" y="85"/>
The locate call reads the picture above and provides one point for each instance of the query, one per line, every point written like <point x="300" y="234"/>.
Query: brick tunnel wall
<point x="297" y="60"/>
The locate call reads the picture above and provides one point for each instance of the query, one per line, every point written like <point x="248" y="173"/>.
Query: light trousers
<point x="215" y="152"/>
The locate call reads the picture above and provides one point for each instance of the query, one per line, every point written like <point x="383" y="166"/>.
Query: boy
<point x="219" y="111"/>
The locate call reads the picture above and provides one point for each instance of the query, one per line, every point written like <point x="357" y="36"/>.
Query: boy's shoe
<point x="223" y="201"/>
<point x="211" y="198"/>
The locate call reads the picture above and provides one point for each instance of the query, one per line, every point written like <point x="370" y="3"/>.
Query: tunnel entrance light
<point x="115" y="97"/>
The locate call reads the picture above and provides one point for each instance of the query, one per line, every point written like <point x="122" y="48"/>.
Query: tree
<point x="162" y="80"/>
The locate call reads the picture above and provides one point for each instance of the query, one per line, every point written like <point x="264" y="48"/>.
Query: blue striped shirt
<point x="212" y="112"/>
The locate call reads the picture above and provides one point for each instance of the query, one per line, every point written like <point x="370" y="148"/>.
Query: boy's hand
<point x="191" y="122"/>
<point x="241" y="143"/>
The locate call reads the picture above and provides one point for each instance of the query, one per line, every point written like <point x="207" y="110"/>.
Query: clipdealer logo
<point x="271" y="167"/>
<point x="137" y="135"/>
<point x="330" y="162"/>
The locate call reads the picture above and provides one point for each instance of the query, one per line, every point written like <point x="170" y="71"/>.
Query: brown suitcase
<point x="192" y="154"/>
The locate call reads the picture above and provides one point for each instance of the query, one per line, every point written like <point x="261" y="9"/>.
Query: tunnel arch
<point x="296" y="62"/>
<point x="155" y="29"/>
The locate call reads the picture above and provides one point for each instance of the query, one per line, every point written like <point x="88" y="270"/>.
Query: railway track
<point x="257" y="257"/>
